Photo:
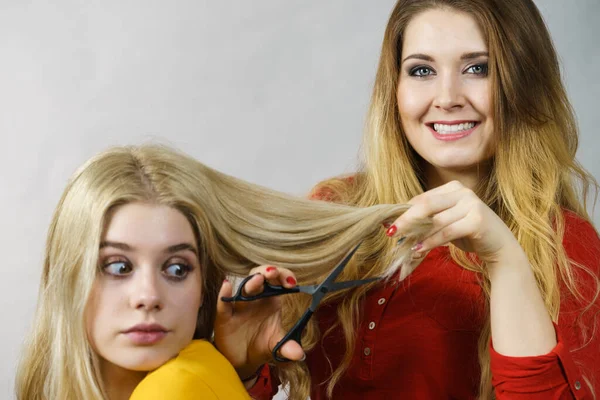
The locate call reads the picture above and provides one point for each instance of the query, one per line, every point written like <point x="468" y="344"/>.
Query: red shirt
<point x="418" y="339"/>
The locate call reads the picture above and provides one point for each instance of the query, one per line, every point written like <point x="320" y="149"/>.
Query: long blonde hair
<point x="237" y="225"/>
<point x="534" y="174"/>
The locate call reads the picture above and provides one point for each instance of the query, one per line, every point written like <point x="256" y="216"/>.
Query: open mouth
<point x="449" y="129"/>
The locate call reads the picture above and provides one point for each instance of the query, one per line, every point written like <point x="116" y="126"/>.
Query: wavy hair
<point x="534" y="175"/>
<point x="237" y="225"/>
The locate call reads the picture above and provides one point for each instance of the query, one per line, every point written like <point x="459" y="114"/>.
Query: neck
<point x="119" y="382"/>
<point x="470" y="178"/>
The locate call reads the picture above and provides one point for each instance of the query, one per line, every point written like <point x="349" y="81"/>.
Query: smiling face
<point x="444" y="94"/>
<point x="144" y="303"/>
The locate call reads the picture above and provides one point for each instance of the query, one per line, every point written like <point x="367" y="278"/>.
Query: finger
<point x="277" y="275"/>
<point x="287" y="278"/>
<point x="262" y="269"/>
<point x="224" y="309"/>
<point x="448" y="217"/>
<point x="290" y="349"/>
<point x="459" y="229"/>
<point x="449" y="187"/>
<point x="423" y="209"/>
<point x="254" y="286"/>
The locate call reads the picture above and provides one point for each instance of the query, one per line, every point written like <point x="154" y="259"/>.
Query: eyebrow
<point x="171" y="249"/>
<point x="465" y="56"/>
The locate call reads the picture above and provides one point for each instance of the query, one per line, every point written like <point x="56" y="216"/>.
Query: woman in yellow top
<point x="137" y="251"/>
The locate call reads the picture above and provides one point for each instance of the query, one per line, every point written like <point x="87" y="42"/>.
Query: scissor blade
<point x="309" y="289"/>
<point x="350" y="284"/>
<point x="323" y="288"/>
<point x="340" y="267"/>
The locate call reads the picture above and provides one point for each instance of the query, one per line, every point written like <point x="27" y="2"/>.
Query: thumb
<point x="290" y="349"/>
<point x="224" y="309"/>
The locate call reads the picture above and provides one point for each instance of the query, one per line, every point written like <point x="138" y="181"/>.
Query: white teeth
<point x="442" y="128"/>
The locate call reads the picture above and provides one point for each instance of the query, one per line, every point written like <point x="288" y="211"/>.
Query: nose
<point x="449" y="93"/>
<point x="145" y="291"/>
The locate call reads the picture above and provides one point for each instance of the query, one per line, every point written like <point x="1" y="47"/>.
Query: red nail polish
<point x="386" y="225"/>
<point x="269" y="269"/>
<point x="390" y="232"/>
<point x="290" y="280"/>
<point x="225" y="280"/>
<point x="417" y="247"/>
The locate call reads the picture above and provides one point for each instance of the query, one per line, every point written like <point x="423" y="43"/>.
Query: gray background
<point x="268" y="90"/>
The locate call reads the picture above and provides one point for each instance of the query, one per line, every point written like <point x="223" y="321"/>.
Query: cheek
<point x="101" y="311"/>
<point x="94" y="320"/>
<point x="412" y="103"/>
<point x="480" y="98"/>
<point x="189" y="301"/>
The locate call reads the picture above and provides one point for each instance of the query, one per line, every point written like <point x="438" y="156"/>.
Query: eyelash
<point x="187" y="268"/>
<point x="413" y="71"/>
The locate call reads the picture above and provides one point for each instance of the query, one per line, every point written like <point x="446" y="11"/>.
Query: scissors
<point x="317" y="291"/>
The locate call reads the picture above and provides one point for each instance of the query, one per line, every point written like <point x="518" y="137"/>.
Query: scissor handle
<point x="268" y="291"/>
<point x="294" y="334"/>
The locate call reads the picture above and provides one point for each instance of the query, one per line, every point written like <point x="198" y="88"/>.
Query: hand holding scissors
<point x="317" y="292"/>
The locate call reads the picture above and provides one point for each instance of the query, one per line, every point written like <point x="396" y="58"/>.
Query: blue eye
<point x="478" y="69"/>
<point x="421" y="71"/>
<point x="118" y="268"/>
<point x="177" y="271"/>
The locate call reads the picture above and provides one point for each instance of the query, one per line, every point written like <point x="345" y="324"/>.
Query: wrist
<point x="250" y="384"/>
<point x="249" y="380"/>
<point x="511" y="257"/>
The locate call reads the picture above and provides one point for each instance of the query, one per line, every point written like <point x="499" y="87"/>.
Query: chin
<point x="138" y="361"/>
<point x="456" y="162"/>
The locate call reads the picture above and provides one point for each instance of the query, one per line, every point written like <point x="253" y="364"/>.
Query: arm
<point x="521" y="326"/>
<point x="573" y="365"/>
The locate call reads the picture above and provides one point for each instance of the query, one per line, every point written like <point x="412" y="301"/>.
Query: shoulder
<point x="199" y="371"/>
<point x="169" y="383"/>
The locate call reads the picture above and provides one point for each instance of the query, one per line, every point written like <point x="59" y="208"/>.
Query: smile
<point x="444" y="129"/>
<point x="449" y="131"/>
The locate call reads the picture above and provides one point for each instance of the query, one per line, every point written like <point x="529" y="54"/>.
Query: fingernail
<point x="417" y="247"/>
<point x="390" y="232"/>
<point x="290" y="280"/>
<point x="225" y="280"/>
<point x="386" y="225"/>
<point x="269" y="269"/>
<point x="401" y="240"/>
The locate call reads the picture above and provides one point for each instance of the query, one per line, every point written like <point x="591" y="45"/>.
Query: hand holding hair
<point x="461" y="218"/>
<point x="521" y="324"/>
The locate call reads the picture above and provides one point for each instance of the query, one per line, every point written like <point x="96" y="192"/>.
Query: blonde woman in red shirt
<point x="470" y="123"/>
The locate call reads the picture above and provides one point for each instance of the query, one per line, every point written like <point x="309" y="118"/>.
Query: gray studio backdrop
<point x="271" y="91"/>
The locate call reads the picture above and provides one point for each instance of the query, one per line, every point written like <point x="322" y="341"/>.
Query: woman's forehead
<point x="443" y="31"/>
<point x="143" y="225"/>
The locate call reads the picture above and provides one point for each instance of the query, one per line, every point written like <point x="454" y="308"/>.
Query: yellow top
<point x="198" y="372"/>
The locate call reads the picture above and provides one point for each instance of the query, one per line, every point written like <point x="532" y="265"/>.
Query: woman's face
<point x="444" y="92"/>
<point x="144" y="303"/>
